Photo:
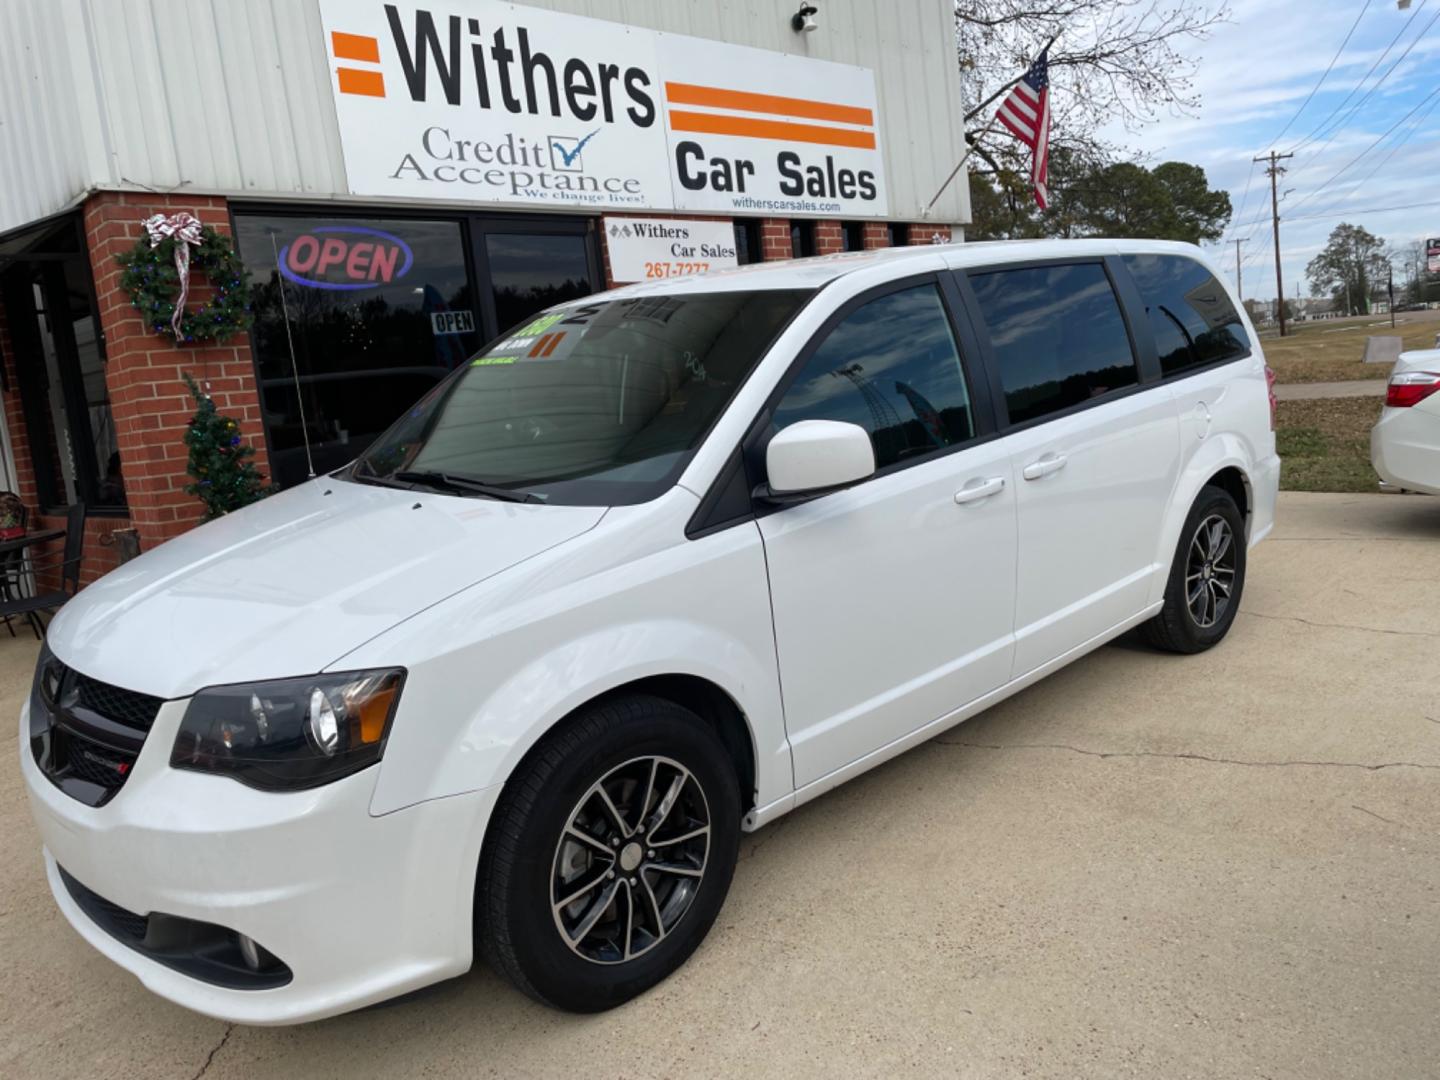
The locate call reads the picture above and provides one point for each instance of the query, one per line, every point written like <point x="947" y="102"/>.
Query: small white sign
<point x="452" y="322"/>
<point x="644" y="249"/>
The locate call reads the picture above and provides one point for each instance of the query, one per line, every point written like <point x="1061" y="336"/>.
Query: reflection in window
<point x="1193" y="319"/>
<point x="597" y="404"/>
<point x="892" y="367"/>
<point x="531" y="273"/>
<point x="747" y="242"/>
<point x="1058" y="336"/>
<point x="360" y="295"/>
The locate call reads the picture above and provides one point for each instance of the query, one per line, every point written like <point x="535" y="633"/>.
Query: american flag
<point x="1026" y="112"/>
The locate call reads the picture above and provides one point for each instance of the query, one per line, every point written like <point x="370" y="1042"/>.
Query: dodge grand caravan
<point x="642" y="575"/>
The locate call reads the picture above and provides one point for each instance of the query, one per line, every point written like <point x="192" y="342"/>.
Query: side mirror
<point x="815" y="455"/>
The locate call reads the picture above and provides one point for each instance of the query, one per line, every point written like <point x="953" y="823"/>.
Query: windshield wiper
<point x="463" y="484"/>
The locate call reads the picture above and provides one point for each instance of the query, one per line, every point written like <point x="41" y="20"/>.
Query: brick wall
<point x="148" y="399"/>
<point x="775" y="239"/>
<point x="829" y="238"/>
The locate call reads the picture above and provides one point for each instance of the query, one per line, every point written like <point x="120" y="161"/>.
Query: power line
<point x="1378" y="61"/>
<point x="1354" y="109"/>
<point x="1400" y="142"/>
<point x="1336" y="175"/>
<point x="1323" y="77"/>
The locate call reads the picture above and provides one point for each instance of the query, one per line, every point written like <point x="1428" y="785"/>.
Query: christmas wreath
<point x="156" y="277"/>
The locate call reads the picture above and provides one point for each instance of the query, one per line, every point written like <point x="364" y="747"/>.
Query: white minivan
<point x="642" y="575"/>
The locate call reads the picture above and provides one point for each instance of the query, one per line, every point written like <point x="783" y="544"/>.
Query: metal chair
<point x="66" y="568"/>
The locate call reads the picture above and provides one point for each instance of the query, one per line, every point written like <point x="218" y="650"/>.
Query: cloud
<point x="1252" y="75"/>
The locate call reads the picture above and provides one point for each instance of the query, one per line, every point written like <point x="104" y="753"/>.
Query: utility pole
<point x="1239" y="274"/>
<point x="1275" y="171"/>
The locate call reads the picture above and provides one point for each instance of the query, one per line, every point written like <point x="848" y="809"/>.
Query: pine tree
<point x="220" y="463"/>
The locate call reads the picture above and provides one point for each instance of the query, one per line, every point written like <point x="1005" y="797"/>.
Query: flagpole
<point x="973" y="139"/>
<point x="969" y="149"/>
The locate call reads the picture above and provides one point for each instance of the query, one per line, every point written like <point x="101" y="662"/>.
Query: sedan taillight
<point x="1270" y="389"/>
<point x="1410" y="388"/>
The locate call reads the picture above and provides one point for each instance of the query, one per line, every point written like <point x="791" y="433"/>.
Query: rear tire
<point x="1207" y="577"/>
<point x="633" y="810"/>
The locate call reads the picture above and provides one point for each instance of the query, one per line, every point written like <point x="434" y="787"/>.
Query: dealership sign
<point x="476" y="99"/>
<point x="1432" y="256"/>
<point x="643" y="249"/>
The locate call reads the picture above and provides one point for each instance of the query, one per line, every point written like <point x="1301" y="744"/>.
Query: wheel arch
<point x="1223" y="462"/>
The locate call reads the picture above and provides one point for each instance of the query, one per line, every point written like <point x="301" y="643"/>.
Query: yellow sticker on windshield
<point x="490" y="361"/>
<point x="540" y="325"/>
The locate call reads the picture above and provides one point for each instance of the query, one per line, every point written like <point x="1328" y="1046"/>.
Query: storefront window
<point x="60" y="364"/>
<point x="529" y="273"/>
<point x="378" y="311"/>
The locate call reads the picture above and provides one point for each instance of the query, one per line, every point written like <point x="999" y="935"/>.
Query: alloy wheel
<point x="630" y="860"/>
<point x="1210" y="571"/>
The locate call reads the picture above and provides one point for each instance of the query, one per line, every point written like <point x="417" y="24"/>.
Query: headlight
<point x="291" y="733"/>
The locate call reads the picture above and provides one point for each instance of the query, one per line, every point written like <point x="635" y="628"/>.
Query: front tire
<point x="609" y="855"/>
<point x="1207" y="576"/>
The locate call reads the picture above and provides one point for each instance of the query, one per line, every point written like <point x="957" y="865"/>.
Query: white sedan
<point x="1405" y="442"/>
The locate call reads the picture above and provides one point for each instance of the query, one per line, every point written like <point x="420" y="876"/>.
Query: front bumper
<point x="360" y="908"/>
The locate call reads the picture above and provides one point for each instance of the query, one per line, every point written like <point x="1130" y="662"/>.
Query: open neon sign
<point x="345" y="257"/>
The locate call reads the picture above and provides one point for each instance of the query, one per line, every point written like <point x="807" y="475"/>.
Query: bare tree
<point x="1111" y="60"/>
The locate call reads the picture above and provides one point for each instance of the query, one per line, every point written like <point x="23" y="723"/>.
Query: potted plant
<point x="12" y="520"/>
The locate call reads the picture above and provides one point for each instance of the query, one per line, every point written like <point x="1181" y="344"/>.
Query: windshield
<point x="596" y="404"/>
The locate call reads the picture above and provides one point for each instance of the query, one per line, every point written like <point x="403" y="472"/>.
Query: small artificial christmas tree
<point x="225" y="477"/>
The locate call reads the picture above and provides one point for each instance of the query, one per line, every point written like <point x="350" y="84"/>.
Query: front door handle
<point x="1047" y="464"/>
<point x="976" y="490"/>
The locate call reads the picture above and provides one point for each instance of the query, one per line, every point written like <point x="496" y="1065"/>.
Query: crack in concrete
<point x="1380" y="817"/>
<point x="1342" y="626"/>
<point x="1191" y="757"/>
<point x="229" y="1028"/>
<point x="773" y="829"/>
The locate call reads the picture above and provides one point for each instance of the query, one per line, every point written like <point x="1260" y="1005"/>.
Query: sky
<point x="1253" y="75"/>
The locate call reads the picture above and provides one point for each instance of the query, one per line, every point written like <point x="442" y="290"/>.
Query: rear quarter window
<point x="1190" y="313"/>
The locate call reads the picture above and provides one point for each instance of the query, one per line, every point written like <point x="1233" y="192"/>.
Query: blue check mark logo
<point x="569" y="157"/>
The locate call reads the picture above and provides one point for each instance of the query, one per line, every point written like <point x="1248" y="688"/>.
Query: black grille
<point x="114" y="919"/>
<point x="127" y="707"/>
<point x="86" y="734"/>
<point x="96" y="764"/>
<point x="201" y="950"/>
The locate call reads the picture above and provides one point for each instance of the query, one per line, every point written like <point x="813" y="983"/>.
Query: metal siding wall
<point x="50" y="142"/>
<point x="234" y="96"/>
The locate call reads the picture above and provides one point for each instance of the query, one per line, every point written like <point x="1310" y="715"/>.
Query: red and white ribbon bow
<point x="185" y="229"/>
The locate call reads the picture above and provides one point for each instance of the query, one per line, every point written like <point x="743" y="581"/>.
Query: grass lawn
<point x="1332" y="351"/>
<point x="1324" y="445"/>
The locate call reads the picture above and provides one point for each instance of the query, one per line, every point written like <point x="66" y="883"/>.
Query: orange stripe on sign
<point x="714" y="97"/>
<point x="554" y="341"/>
<point x="783" y="130"/>
<point x="355" y="81"/>
<point x="539" y="346"/>
<point x="354" y="47"/>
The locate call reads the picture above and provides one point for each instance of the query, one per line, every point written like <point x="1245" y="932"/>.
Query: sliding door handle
<point x="976" y="490"/>
<point x="1047" y="464"/>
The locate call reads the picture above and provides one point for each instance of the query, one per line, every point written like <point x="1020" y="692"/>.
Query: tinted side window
<point x="1058" y="336"/>
<point x="893" y="368"/>
<point x="1190" y="313"/>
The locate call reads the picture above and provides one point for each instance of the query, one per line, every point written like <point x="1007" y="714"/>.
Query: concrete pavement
<point x="1147" y="865"/>
<point x="1351" y="388"/>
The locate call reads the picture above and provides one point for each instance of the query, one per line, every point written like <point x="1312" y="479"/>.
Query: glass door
<point x="527" y="264"/>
